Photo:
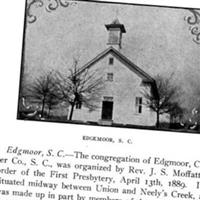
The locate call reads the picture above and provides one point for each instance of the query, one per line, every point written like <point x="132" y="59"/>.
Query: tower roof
<point x="116" y="24"/>
<point x="115" y="21"/>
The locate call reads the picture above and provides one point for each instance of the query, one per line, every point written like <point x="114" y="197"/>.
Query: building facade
<point x="122" y="100"/>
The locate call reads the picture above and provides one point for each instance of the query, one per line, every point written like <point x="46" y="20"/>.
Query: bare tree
<point x="52" y="100"/>
<point x="193" y="115"/>
<point x="80" y="87"/>
<point x="43" y="92"/>
<point x="177" y="113"/>
<point x="167" y="99"/>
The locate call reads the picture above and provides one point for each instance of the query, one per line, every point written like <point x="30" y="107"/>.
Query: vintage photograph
<point x="111" y="64"/>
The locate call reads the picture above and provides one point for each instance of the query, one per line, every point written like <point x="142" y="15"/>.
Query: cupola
<point x="115" y="30"/>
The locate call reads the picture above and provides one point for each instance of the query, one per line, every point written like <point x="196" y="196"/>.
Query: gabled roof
<point x="145" y="77"/>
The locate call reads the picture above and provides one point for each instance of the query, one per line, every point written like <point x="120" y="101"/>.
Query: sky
<point x="157" y="39"/>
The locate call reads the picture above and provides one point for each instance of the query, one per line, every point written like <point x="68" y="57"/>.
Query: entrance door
<point x="107" y="110"/>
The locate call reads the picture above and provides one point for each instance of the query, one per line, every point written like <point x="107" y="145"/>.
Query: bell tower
<point x="115" y="31"/>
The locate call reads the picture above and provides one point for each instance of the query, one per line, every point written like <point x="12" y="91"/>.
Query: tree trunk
<point x="49" y="111"/>
<point x="43" y="105"/>
<point x="72" y="110"/>
<point x="158" y="119"/>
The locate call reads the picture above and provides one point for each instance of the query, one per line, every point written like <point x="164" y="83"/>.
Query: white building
<point x="122" y="101"/>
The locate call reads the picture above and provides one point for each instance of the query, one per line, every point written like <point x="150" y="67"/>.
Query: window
<point x="78" y="105"/>
<point x="111" y="61"/>
<point x="138" y="104"/>
<point x="109" y="76"/>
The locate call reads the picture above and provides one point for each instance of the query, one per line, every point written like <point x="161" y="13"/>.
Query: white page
<point x="43" y="136"/>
